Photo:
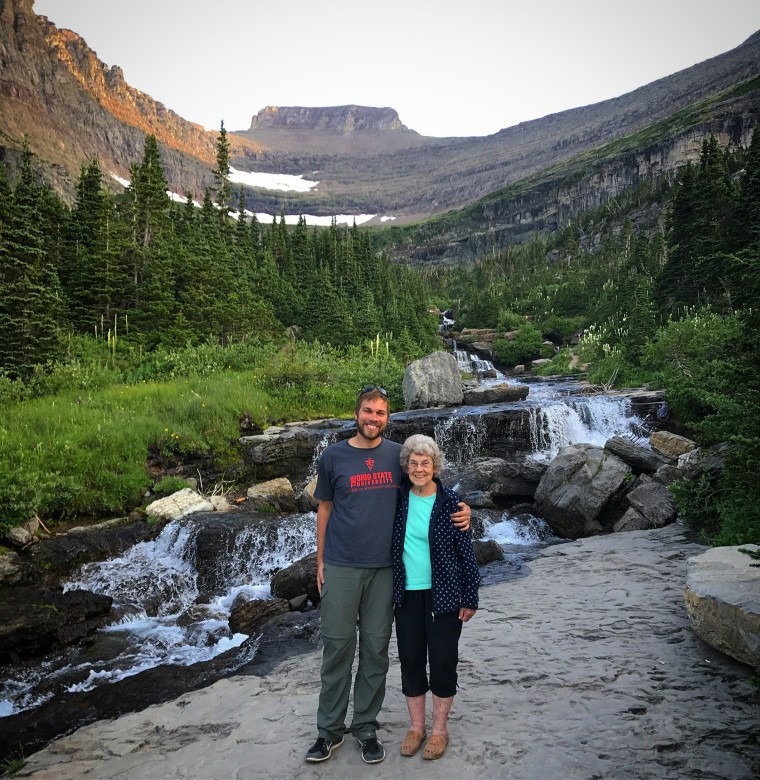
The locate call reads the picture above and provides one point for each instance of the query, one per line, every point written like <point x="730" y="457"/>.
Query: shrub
<point x="525" y="346"/>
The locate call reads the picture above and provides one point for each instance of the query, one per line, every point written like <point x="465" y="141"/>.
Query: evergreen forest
<point x="137" y="332"/>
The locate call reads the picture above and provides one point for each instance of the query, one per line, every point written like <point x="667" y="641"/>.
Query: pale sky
<point x="449" y="67"/>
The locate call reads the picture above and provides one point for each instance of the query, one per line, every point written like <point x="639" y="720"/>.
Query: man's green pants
<point x="350" y="595"/>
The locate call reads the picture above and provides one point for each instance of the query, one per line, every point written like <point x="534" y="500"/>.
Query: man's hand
<point x="465" y="614"/>
<point x="320" y="576"/>
<point x="461" y="519"/>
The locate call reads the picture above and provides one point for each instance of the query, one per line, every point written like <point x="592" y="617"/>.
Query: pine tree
<point x="222" y="174"/>
<point x="29" y="301"/>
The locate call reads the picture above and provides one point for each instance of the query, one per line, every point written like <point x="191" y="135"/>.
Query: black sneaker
<point x="322" y="749"/>
<point x="373" y="751"/>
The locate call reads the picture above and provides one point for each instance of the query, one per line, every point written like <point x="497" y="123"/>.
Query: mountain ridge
<point x="465" y="190"/>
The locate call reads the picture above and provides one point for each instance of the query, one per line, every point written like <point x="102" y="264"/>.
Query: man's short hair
<point x="372" y="393"/>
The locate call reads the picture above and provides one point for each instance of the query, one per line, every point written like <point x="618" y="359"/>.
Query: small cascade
<point x="329" y="438"/>
<point x="460" y="438"/>
<point x="154" y="586"/>
<point x="581" y="420"/>
<point x="524" y="531"/>
<point x="472" y="364"/>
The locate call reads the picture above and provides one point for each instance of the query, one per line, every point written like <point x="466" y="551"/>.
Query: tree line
<point x="141" y="267"/>
<point x="675" y="305"/>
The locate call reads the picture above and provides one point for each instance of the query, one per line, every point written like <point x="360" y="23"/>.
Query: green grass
<point x="81" y="453"/>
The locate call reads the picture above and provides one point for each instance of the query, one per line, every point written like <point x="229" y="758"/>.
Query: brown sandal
<point x="435" y="747"/>
<point x="412" y="742"/>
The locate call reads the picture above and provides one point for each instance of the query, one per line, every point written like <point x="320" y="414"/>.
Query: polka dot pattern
<point x="456" y="577"/>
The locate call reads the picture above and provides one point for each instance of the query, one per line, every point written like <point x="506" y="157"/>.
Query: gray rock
<point x="495" y="394"/>
<point x="18" y="537"/>
<point x="667" y="474"/>
<point x="723" y="600"/>
<point x="498" y="479"/>
<point x="432" y="381"/>
<point x="298" y="578"/>
<point x="641" y="459"/>
<point x="251" y="616"/>
<point x="653" y="500"/>
<point x="650" y="505"/>
<point x="487" y="552"/>
<point x="580" y="489"/>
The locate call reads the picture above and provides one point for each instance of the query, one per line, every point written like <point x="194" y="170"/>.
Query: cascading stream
<point x="155" y="585"/>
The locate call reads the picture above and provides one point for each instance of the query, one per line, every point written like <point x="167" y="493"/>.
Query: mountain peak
<point x="335" y="120"/>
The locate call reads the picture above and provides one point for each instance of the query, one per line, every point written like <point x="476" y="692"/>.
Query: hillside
<point x="479" y="191"/>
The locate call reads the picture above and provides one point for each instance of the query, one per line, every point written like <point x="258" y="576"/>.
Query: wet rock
<point x="723" y="600"/>
<point x="34" y="621"/>
<point x="487" y="552"/>
<point x="495" y="394"/>
<point x="498" y="480"/>
<point x="578" y="494"/>
<point x="251" y="616"/>
<point x="432" y="381"/>
<point x="298" y="578"/>
<point x="224" y="541"/>
<point x="65" y="552"/>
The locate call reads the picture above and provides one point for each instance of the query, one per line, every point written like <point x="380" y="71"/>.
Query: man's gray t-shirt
<point x="363" y="486"/>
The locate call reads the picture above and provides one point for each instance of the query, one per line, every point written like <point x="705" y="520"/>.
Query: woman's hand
<point x="461" y="519"/>
<point x="465" y="614"/>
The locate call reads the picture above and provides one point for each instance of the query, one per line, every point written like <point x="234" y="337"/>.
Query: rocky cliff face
<point x="71" y="106"/>
<point x="342" y="120"/>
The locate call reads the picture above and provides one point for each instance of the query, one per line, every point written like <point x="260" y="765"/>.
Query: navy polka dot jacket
<point x="456" y="577"/>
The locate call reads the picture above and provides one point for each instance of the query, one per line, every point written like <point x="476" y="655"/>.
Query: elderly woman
<point x="435" y="590"/>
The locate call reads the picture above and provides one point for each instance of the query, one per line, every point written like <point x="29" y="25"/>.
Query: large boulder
<point x="650" y="505"/>
<point x="580" y="491"/>
<point x="487" y="482"/>
<point x="723" y="599"/>
<point x="495" y="394"/>
<point x="432" y="381"/>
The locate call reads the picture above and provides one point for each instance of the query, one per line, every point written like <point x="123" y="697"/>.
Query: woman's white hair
<point x="421" y="445"/>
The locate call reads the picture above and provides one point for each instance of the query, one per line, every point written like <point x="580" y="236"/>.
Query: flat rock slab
<point x="588" y="667"/>
<point x="723" y="598"/>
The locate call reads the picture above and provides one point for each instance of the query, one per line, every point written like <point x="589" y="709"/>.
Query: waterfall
<point x="461" y="439"/>
<point x="154" y="586"/>
<point x="592" y="420"/>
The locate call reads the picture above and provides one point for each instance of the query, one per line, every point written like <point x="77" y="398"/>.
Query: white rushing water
<point x="154" y="586"/>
